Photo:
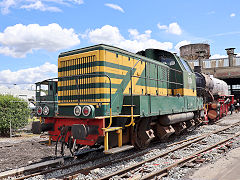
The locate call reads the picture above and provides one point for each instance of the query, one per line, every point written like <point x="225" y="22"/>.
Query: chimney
<point x="201" y="55"/>
<point x="231" y="55"/>
<point x="198" y="69"/>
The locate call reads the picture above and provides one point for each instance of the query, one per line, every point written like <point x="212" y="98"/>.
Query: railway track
<point x="44" y="167"/>
<point x="123" y="172"/>
<point x="82" y="168"/>
<point x="137" y="167"/>
<point x="139" y="170"/>
<point x="40" y="168"/>
<point x="190" y="158"/>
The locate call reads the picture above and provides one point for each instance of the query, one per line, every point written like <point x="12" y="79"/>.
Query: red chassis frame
<point x="90" y="140"/>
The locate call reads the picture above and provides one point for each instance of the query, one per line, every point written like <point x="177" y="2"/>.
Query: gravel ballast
<point x="27" y="151"/>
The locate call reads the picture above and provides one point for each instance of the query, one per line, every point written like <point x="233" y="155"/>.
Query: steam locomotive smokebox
<point x="189" y="52"/>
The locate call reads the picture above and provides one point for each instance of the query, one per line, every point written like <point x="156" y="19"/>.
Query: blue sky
<point x="34" y="32"/>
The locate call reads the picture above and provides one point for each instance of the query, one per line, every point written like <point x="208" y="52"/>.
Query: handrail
<point x="110" y="87"/>
<point x="132" y="120"/>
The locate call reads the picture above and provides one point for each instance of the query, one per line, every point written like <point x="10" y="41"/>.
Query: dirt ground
<point x="21" y="151"/>
<point x="226" y="168"/>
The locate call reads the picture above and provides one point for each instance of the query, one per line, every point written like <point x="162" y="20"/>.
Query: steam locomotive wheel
<point x="140" y="137"/>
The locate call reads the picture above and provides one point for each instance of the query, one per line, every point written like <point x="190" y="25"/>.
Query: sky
<point x="34" y="32"/>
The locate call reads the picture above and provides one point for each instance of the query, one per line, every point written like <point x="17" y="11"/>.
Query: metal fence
<point x="213" y="63"/>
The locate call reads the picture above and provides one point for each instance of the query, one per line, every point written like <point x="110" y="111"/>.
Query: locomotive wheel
<point x="140" y="139"/>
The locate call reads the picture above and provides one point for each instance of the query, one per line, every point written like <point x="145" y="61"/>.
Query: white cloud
<point x="5" y="5"/>
<point x="162" y="26"/>
<point x="218" y="56"/>
<point x="18" y="40"/>
<point x="111" y="35"/>
<point x="107" y="34"/>
<point x="77" y="1"/>
<point x="172" y="28"/>
<point x="42" y="5"/>
<point x="30" y="75"/>
<point x="181" y="43"/>
<point x="115" y="6"/>
<point x="232" y="15"/>
<point x="38" y="5"/>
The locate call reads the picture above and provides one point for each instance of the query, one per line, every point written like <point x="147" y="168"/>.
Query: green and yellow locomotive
<point x="108" y="96"/>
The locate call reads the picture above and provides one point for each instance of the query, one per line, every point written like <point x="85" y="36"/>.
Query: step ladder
<point x="120" y="147"/>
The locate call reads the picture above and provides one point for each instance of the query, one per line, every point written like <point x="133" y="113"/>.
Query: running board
<point x="118" y="149"/>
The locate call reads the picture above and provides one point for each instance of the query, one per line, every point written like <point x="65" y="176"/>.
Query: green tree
<point x="15" y="110"/>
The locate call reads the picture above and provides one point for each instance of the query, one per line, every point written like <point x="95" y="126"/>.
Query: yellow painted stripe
<point x="110" y="70"/>
<point x="91" y="80"/>
<point x="100" y="55"/>
<point x="81" y="103"/>
<point x="121" y="60"/>
<point x="189" y="92"/>
<point x="139" y="90"/>
<point x="97" y="101"/>
<point x="185" y="92"/>
<point x="95" y="69"/>
<point x="139" y="69"/>
<point x="89" y="91"/>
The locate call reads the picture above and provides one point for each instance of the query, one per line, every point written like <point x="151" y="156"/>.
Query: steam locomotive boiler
<point x="215" y="94"/>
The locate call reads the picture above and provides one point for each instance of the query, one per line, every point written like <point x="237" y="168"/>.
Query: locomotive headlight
<point x="45" y="110"/>
<point x="39" y="110"/>
<point x="86" y="110"/>
<point x="77" y="110"/>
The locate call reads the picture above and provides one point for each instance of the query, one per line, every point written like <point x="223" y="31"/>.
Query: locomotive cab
<point x="46" y="96"/>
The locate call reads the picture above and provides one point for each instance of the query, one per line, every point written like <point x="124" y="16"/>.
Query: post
<point x="106" y="141"/>
<point x="230" y="53"/>
<point x="10" y="127"/>
<point x="201" y="55"/>
<point x="49" y="140"/>
<point x="119" y="132"/>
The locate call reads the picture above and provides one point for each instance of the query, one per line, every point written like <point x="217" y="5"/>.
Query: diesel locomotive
<point x="105" y="95"/>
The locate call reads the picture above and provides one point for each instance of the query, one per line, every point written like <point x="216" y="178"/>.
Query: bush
<point x="15" y="110"/>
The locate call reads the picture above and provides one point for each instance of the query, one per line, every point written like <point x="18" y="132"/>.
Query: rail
<point x="215" y="63"/>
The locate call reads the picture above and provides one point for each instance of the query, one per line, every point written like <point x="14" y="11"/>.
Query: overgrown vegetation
<point x="15" y="110"/>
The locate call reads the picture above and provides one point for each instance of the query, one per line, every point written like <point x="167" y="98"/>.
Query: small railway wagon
<point x="105" y="95"/>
